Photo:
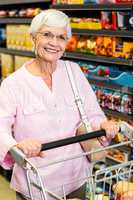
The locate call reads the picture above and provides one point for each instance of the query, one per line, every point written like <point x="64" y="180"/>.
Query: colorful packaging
<point x="2" y="37"/>
<point x="116" y="101"/>
<point x="108" y="20"/>
<point x="7" y="65"/>
<point x="123" y="20"/>
<point x="126" y="104"/>
<point x="108" y="99"/>
<point x="19" y="61"/>
<point x="131" y="19"/>
<point x="18" y="37"/>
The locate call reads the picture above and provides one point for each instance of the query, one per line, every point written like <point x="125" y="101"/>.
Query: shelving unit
<point x="119" y="115"/>
<point x="17" y="52"/>
<point x="103" y="59"/>
<point x="111" y="86"/>
<point x="15" y="20"/>
<point x="12" y="2"/>
<point x="92" y="6"/>
<point x="117" y="33"/>
<point x="75" y="55"/>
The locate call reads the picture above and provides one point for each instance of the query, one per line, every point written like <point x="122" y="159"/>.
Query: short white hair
<point x="50" y="17"/>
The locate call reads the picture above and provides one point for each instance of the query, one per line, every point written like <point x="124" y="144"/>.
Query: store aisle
<point x="5" y="192"/>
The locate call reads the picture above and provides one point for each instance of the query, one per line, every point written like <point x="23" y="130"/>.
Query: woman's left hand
<point x="111" y="127"/>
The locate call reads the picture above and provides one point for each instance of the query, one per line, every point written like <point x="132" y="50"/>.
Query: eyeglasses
<point x="50" y="36"/>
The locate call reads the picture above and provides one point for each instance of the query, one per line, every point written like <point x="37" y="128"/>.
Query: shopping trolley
<point x="106" y="183"/>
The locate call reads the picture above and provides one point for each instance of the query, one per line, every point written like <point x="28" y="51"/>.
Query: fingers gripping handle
<point x="72" y="140"/>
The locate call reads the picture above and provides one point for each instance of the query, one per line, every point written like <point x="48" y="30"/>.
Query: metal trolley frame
<point x="100" y="183"/>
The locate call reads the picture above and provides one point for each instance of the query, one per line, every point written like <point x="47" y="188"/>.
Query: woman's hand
<point x="30" y="147"/>
<point x="111" y="127"/>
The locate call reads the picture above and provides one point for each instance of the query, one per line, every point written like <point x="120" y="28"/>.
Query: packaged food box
<point x="7" y="64"/>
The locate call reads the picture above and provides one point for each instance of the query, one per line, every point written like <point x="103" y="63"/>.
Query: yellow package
<point x="6" y="65"/>
<point x="19" y="61"/>
<point x="128" y="50"/>
<point x="75" y="2"/>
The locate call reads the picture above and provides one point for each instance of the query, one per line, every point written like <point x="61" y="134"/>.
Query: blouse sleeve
<point x="7" y="118"/>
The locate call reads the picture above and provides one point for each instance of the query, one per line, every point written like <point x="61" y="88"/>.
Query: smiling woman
<point x="37" y="101"/>
<point x="50" y="31"/>
<point x="50" y="43"/>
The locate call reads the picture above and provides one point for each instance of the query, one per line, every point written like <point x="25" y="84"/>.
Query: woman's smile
<point x="51" y="50"/>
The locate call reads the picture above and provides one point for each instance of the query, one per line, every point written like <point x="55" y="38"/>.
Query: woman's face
<point x="50" y="43"/>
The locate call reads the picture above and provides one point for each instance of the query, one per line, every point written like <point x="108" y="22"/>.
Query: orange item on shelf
<point x="72" y="44"/>
<point x="104" y="46"/>
<point x="128" y="49"/>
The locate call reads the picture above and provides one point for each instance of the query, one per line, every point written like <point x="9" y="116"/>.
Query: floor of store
<point x="5" y="192"/>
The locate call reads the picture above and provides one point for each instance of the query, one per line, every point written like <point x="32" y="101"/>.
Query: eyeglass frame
<point x="51" y="36"/>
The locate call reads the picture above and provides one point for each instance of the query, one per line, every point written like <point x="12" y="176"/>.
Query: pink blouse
<point x="32" y="110"/>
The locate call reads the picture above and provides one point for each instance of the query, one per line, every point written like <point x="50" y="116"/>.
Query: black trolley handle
<point x="72" y="140"/>
<point x="20" y="157"/>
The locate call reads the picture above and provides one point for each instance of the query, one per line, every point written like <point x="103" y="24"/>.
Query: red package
<point x="124" y="1"/>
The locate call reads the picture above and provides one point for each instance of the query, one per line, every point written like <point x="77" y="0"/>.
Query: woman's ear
<point x="32" y="37"/>
<point x="33" y="40"/>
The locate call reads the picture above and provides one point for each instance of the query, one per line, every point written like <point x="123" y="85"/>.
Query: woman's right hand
<point x="30" y="147"/>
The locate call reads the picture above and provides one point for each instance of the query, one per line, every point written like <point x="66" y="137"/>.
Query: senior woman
<point x="37" y="102"/>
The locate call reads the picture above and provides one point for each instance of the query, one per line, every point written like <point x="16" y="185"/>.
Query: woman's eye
<point x="62" y="37"/>
<point x="46" y="34"/>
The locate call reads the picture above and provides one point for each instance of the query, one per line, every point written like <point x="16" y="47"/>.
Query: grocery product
<point x="86" y="23"/>
<point x="123" y="186"/>
<point x="19" y="61"/>
<point x="123" y="20"/>
<point x="18" y="37"/>
<point x="118" y="155"/>
<point x="7" y="66"/>
<point x="2" y="37"/>
<point x="3" y="13"/>
<point x="108" y="20"/>
<point x="126" y="104"/>
<point x="72" y="44"/>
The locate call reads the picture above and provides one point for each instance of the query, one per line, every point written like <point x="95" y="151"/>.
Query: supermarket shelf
<point x="103" y="59"/>
<point x="107" y="85"/>
<point x="92" y="6"/>
<point x="15" y="20"/>
<point x="116" y="114"/>
<point x="7" y="2"/>
<point x="17" y="52"/>
<point x="78" y="56"/>
<point x="117" y="33"/>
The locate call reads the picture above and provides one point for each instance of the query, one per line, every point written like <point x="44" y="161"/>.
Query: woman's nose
<point x="54" y="40"/>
